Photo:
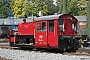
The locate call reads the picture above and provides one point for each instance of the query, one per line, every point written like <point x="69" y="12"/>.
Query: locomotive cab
<point x="58" y="33"/>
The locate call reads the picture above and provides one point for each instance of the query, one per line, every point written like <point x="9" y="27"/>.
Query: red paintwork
<point x="11" y="32"/>
<point x="41" y="42"/>
<point x="13" y="39"/>
<point x="26" y="28"/>
<point x="49" y="38"/>
<point x="68" y="27"/>
<point x="24" y="20"/>
<point x="53" y="37"/>
<point x="41" y="38"/>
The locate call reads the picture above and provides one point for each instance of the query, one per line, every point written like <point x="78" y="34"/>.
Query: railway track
<point x="80" y="52"/>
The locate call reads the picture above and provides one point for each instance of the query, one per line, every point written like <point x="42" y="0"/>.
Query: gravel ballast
<point x="11" y="54"/>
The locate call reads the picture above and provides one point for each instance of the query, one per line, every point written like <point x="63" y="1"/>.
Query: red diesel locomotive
<point x="54" y="31"/>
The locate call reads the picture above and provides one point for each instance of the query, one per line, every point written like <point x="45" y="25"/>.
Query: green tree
<point x="18" y="7"/>
<point x="82" y="7"/>
<point x="52" y="8"/>
<point x="36" y="6"/>
<point x="62" y="4"/>
<point x="28" y="7"/>
<point x="3" y="10"/>
<point x="88" y="19"/>
<point x="73" y="7"/>
<point x="64" y="9"/>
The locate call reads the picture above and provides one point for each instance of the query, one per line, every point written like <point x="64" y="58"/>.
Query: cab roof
<point x="51" y="17"/>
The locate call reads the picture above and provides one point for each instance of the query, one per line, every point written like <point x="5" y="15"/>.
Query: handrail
<point x="15" y="36"/>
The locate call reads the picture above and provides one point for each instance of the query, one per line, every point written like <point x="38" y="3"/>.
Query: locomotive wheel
<point x="11" y="44"/>
<point x="2" y="36"/>
<point x="63" y="46"/>
<point x="8" y="36"/>
<point x="77" y="46"/>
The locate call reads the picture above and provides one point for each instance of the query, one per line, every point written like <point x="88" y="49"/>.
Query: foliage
<point x="18" y="7"/>
<point x="73" y="7"/>
<point x="3" y="10"/>
<point x="28" y="7"/>
<point x="64" y="9"/>
<point x="88" y="19"/>
<point x="82" y="7"/>
<point x="60" y="6"/>
<point x="39" y="5"/>
<point x="52" y="8"/>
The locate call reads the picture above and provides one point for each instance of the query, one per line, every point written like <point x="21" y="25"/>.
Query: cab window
<point x="74" y="25"/>
<point x="41" y="26"/>
<point x="51" y="25"/>
<point x="61" y="24"/>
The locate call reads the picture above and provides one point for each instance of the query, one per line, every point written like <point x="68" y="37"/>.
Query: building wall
<point x="82" y="28"/>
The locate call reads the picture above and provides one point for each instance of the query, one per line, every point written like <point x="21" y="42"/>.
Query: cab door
<point x="51" y="33"/>
<point x="41" y="34"/>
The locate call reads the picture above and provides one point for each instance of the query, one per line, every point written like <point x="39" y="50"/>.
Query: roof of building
<point x="6" y="21"/>
<point x="80" y="18"/>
